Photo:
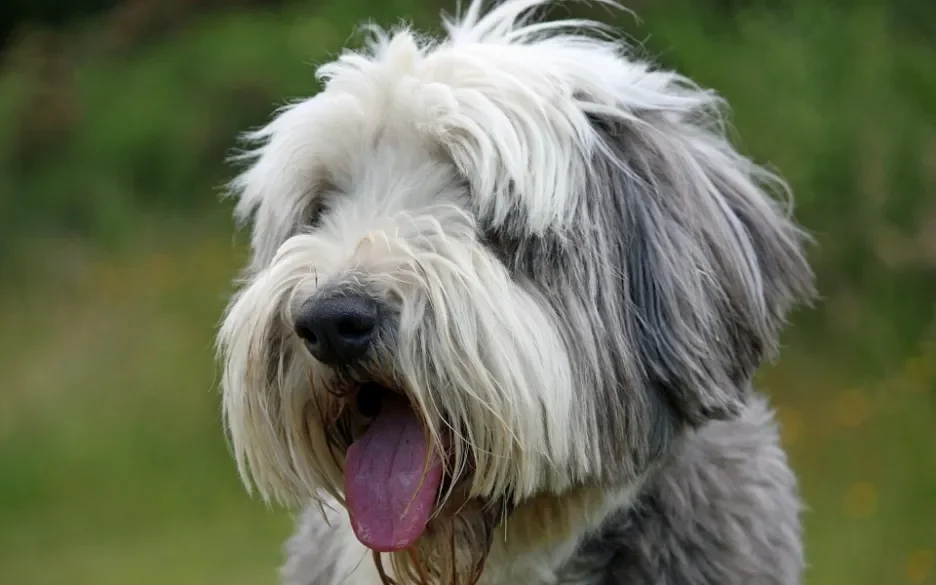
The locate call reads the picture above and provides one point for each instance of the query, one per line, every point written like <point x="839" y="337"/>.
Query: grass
<point x="111" y="450"/>
<point x="113" y="468"/>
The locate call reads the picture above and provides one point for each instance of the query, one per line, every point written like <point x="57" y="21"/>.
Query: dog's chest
<point x="548" y="565"/>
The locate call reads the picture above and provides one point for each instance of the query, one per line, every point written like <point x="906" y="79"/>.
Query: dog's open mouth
<point x="392" y="473"/>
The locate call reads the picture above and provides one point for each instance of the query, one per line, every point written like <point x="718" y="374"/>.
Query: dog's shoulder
<point x="725" y="511"/>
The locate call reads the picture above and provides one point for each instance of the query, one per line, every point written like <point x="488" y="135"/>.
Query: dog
<point x="506" y="295"/>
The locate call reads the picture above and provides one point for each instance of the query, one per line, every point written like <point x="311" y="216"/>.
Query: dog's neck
<point x="542" y="534"/>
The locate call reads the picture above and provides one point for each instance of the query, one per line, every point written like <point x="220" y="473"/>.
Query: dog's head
<point x="508" y="263"/>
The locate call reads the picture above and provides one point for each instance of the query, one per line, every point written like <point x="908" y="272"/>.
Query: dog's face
<point x="507" y="264"/>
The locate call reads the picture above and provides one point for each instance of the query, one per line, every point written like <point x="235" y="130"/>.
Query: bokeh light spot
<point x="919" y="373"/>
<point x="852" y="408"/>
<point x="791" y="424"/>
<point x="920" y="565"/>
<point x="861" y="500"/>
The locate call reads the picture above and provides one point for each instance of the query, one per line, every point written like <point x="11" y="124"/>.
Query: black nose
<point x="338" y="330"/>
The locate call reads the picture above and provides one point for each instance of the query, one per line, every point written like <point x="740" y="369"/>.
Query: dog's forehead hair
<point x="366" y="174"/>
<point x="396" y="172"/>
<point x="491" y="110"/>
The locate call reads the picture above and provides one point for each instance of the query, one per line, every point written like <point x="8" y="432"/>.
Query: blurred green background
<point x="116" y="257"/>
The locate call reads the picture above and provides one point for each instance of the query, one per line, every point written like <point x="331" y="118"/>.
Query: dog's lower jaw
<point x="723" y="511"/>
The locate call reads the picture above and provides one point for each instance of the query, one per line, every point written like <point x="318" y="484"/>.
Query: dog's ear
<point x="709" y="261"/>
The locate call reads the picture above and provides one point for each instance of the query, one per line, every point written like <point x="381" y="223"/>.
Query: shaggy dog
<point x="507" y="293"/>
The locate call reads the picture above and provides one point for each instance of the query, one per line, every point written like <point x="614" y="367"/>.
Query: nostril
<point x="306" y="334"/>
<point x="355" y="327"/>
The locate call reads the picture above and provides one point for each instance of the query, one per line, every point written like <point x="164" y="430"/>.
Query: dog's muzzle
<point x="393" y="472"/>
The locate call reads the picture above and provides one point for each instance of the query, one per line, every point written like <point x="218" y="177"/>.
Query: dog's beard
<point x="477" y="360"/>
<point x="453" y="551"/>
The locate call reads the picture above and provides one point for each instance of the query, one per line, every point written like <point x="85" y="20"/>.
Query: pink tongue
<point x="389" y="487"/>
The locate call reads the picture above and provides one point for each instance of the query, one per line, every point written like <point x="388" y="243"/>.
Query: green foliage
<point x="150" y="131"/>
<point x="116" y="256"/>
<point x="846" y="110"/>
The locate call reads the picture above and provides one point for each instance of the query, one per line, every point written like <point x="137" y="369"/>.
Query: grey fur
<point x="724" y="511"/>
<point x="671" y="284"/>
